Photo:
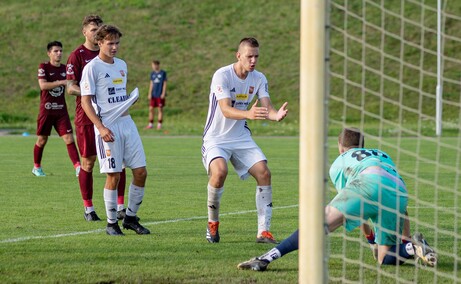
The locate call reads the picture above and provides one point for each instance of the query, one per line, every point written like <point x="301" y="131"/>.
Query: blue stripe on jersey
<point x="214" y="103"/>
<point x="102" y="153"/>
<point x="246" y="126"/>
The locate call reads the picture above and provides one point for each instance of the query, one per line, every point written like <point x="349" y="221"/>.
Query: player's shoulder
<point x="224" y="71"/>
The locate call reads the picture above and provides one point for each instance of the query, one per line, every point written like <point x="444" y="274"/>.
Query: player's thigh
<point x="245" y="158"/>
<point x="44" y="124"/>
<point x="133" y="150"/>
<point x="110" y="154"/>
<point x="215" y="156"/>
<point x="86" y="141"/>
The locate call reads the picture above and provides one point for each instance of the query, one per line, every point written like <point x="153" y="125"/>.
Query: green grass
<point x="43" y="237"/>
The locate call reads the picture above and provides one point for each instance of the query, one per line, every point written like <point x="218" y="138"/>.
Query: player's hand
<point x="106" y="134"/>
<point x="256" y="112"/>
<point x="282" y="112"/>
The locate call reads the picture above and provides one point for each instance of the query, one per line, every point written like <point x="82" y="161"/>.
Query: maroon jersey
<point x="52" y="101"/>
<point x="75" y="63"/>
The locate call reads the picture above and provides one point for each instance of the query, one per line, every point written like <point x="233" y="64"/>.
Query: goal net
<point x="386" y="63"/>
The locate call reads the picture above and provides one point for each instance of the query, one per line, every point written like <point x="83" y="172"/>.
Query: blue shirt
<point x="158" y="79"/>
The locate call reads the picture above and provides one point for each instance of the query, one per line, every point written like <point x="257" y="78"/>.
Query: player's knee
<point x="140" y="175"/>
<point x="87" y="164"/>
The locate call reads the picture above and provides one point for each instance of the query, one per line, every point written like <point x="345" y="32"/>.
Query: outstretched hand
<point x="258" y="112"/>
<point x="282" y="112"/>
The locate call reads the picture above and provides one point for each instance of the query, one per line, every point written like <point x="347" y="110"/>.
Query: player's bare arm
<point x="73" y="88"/>
<point x="162" y="96"/>
<point x="254" y="113"/>
<point x="45" y="85"/>
<point x="275" y="115"/>
<point x="151" y="86"/>
<point x="104" y="132"/>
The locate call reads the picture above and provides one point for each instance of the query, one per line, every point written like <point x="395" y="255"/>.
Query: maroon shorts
<point x="157" y="102"/>
<point x="85" y="140"/>
<point x="60" y="122"/>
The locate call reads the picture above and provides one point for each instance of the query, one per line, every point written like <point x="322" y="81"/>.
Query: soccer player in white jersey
<point x="103" y="88"/>
<point x="227" y="137"/>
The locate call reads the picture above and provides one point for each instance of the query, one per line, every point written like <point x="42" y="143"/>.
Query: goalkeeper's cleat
<point x="254" y="264"/>
<point x="212" y="233"/>
<point x="38" y="172"/>
<point x="266" y="237"/>
<point x="423" y="251"/>
<point x="131" y="223"/>
<point x="92" y="216"/>
<point x="114" y="230"/>
<point x="374" y="250"/>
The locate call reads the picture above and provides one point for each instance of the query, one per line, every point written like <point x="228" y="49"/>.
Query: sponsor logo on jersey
<point x="41" y="72"/>
<point x="122" y="73"/>
<point x="117" y="99"/>
<point x="56" y="92"/>
<point x="251" y="90"/>
<point x="219" y="89"/>
<point x="70" y="69"/>
<point x="117" y="81"/>
<point x="55" y="106"/>
<point x="108" y="152"/>
<point x="241" y="97"/>
<point x="107" y="76"/>
<point x="111" y="91"/>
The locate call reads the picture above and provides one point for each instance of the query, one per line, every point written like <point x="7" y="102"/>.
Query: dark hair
<point x="156" y="62"/>
<point x="107" y="31"/>
<point x="53" y="43"/>
<point x="351" y="138"/>
<point x="95" y="19"/>
<point x="251" y="41"/>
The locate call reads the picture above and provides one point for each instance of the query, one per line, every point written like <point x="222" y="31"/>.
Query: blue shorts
<point x="375" y="195"/>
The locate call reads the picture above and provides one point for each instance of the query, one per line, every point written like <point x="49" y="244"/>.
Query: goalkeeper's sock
<point x="214" y="201"/>
<point x="289" y="244"/>
<point x="406" y="251"/>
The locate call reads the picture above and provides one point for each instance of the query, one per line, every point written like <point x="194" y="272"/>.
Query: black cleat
<point x="114" y="230"/>
<point x="122" y="213"/>
<point x="131" y="223"/>
<point x="92" y="216"/>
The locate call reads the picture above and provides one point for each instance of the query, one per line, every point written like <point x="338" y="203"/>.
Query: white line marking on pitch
<point x="21" y="239"/>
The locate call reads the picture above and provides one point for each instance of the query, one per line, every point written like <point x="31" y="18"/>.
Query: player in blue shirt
<point x="369" y="187"/>
<point x="157" y="94"/>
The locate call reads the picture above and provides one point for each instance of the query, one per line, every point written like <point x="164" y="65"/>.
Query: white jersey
<point x="226" y="84"/>
<point x="107" y="83"/>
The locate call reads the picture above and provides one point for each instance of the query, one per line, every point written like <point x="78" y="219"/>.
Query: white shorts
<point x="242" y="154"/>
<point x="126" y="150"/>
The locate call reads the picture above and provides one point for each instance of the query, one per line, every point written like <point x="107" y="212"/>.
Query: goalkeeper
<point x="369" y="187"/>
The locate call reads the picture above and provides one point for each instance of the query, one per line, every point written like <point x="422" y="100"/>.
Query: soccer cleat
<point x="149" y="126"/>
<point x="92" y="216"/>
<point x="212" y="233"/>
<point x="122" y="213"/>
<point x="253" y="264"/>
<point x="423" y="251"/>
<point x="374" y="250"/>
<point x="38" y="172"/>
<point x="114" y="230"/>
<point x="77" y="171"/>
<point x="159" y="126"/>
<point x="266" y="237"/>
<point x="131" y="223"/>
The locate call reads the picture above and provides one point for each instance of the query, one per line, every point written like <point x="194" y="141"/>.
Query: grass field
<point x="43" y="237"/>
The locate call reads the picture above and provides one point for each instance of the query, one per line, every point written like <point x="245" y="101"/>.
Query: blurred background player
<point x="227" y="137"/>
<point x="157" y="94"/>
<point x="53" y="108"/>
<point x="106" y="103"/>
<point x="83" y="125"/>
<point x="369" y="187"/>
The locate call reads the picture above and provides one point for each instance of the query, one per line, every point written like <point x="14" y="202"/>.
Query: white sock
<point x="88" y="210"/>
<point x="110" y="200"/>
<point x="271" y="255"/>
<point x="135" y="196"/>
<point x="120" y="207"/>
<point x="214" y="201"/>
<point x="264" y="207"/>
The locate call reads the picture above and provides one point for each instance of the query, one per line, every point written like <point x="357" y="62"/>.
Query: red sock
<point x="85" y="179"/>
<point x="121" y="188"/>
<point x="371" y="237"/>
<point x="38" y="153"/>
<point x="73" y="154"/>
